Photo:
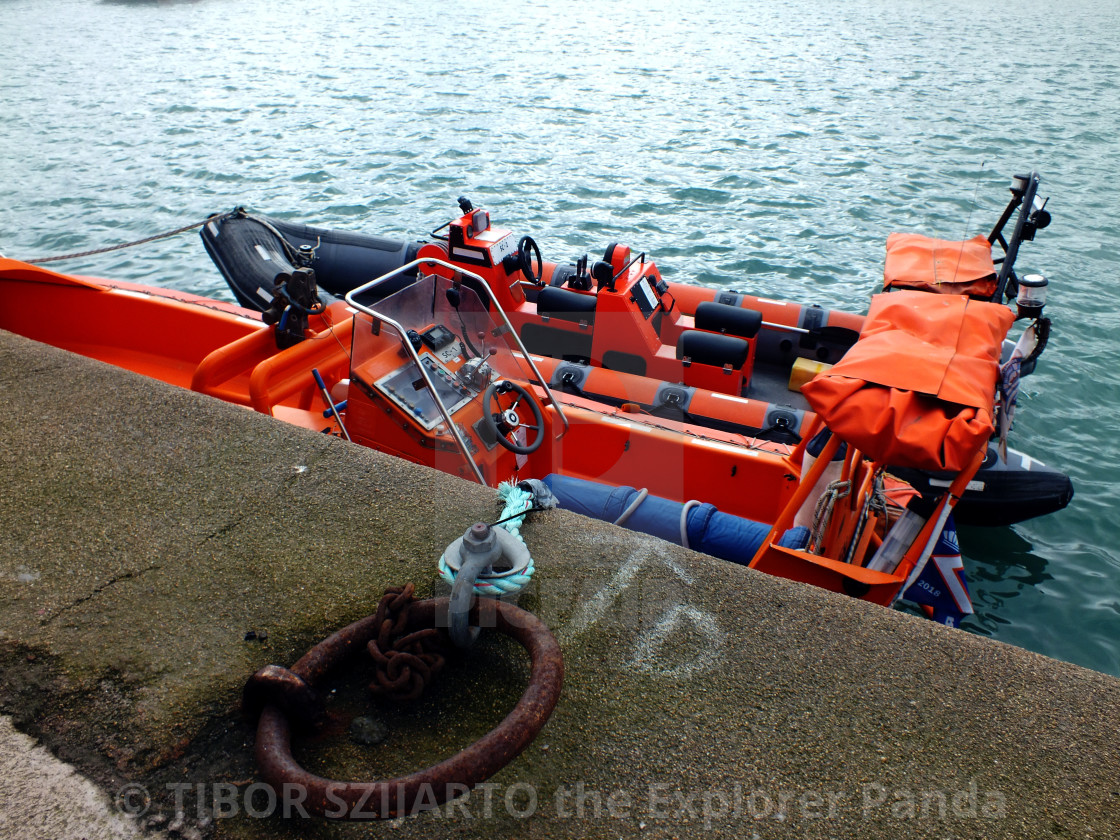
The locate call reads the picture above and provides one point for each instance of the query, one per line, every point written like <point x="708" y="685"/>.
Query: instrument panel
<point x="441" y="341"/>
<point x="406" y="388"/>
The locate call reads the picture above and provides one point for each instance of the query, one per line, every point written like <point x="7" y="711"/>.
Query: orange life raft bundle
<point x="916" y="389"/>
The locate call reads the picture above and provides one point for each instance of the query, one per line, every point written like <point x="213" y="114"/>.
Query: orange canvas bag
<point x="918" y="387"/>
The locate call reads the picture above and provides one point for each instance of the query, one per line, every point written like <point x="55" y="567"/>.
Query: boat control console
<point x="434" y="378"/>
<point x="400" y="386"/>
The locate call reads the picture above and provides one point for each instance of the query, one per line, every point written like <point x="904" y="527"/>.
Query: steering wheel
<point x="525" y="259"/>
<point x="503" y="423"/>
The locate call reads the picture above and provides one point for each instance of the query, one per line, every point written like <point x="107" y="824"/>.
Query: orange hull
<point x="228" y="352"/>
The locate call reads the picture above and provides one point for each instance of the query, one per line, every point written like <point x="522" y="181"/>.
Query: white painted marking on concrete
<point x="646" y="656"/>
<point x="679" y="570"/>
<point x="595" y="607"/>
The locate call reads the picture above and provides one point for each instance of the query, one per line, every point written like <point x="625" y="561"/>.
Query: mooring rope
<point x="121" y="247"/>
<point x="822" y="516"/>
<point x="519" y="502"/>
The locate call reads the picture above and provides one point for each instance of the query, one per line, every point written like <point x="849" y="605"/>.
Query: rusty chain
<point x="405" y="663"/>
<point x="408" y="644"/>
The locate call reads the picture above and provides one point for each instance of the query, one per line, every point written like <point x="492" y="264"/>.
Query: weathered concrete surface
<point x="144" y="531"/>
<point x="44" y="797"/>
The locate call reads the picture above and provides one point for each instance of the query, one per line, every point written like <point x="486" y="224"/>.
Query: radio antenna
<point x="968" y="219"/>
<point x="975" y="192"/>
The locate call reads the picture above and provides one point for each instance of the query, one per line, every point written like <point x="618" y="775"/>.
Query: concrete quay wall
<point x="158" y="547"/>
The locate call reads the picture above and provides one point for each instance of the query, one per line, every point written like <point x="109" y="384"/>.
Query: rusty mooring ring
<point x="434" y="785"/>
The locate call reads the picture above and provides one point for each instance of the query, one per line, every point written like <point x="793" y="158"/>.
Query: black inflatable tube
<point x="249" y="254"/>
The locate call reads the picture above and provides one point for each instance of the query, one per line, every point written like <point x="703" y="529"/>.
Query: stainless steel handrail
<point x="407" y="345"/>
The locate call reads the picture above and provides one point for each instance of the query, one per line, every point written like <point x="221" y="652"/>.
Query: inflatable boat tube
<point x="708" y="530"/>
<point x="1001" y="493"/>
<point x="250" y="250"/>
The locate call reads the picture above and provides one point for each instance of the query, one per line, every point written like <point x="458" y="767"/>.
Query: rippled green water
<point x="764" y="145"/>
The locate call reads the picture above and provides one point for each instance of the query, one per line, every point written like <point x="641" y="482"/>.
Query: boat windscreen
<point x="448" y="319"/>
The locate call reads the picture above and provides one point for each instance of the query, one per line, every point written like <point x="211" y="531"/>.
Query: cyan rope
<point x="518" y="503"/>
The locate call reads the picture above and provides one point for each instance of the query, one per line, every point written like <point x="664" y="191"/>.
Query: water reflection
<point x="147" y="2"/>
<point x="1001" y="565"/>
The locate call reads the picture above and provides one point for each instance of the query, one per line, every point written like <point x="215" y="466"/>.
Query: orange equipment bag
<point x="917" y="388"/>
<point x="938" y="265"/>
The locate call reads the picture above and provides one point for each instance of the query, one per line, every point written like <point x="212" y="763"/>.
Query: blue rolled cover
<point x="709" y="530"/>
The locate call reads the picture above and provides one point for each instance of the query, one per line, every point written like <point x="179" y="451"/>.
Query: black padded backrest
<point x="707" y="348"/>
<point x="603" y="274"/>
<point x="564" y="303"/>
<point x="732" y="320"/>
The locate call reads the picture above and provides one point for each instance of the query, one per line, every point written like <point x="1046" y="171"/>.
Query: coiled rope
<point x="519" y="502"/>
<point x="822" y="516"/>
